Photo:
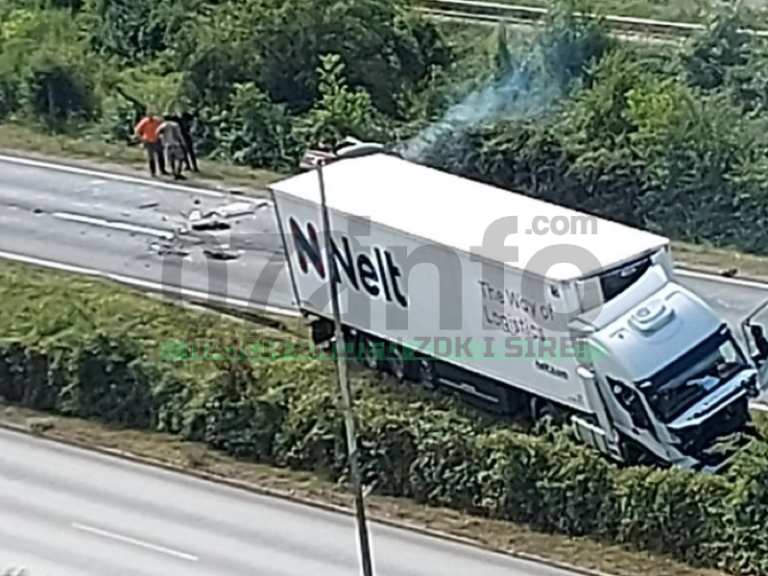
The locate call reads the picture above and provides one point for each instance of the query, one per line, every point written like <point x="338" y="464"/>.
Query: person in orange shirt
<point x="147" y="131"/>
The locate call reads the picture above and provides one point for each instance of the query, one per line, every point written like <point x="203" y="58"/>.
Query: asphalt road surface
<point x="114" y="226"/>
<point x="89" y="221"/>
<point x="68" y="512"/>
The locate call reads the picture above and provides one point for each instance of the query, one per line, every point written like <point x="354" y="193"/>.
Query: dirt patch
<point x="722" y="261"/>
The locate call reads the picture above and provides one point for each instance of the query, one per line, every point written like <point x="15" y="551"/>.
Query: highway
<point x="69" y="512"/>
<point x="82" y="221"/>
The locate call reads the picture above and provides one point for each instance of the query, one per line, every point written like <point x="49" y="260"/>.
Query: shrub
<point x="56" y="93"/>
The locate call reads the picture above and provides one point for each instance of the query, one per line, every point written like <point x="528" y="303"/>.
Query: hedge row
<point x="82" y="348"/>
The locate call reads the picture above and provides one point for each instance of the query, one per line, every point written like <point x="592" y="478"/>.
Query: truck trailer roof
<point x="446" y="209"/>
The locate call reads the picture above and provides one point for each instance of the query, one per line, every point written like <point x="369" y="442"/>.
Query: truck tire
<point x="541" y="408"/>
<point x="633" y="454"/>
<point x="367" y="353"/>
<point x="398" y="366"/>
<point x="427" y="373"/>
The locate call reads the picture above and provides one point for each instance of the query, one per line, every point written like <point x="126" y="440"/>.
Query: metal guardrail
<point x="476" y="10"/>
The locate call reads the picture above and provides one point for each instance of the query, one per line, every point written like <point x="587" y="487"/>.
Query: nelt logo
<point x="376" y="273"/>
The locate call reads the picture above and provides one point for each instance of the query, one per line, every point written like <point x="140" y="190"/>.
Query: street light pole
<point x="341" y="364"/>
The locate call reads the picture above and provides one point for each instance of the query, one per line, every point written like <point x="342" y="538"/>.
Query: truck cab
<point x="672" y="380"/>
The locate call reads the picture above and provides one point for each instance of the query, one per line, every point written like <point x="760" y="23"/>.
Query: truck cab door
<point x="755" y="331"/>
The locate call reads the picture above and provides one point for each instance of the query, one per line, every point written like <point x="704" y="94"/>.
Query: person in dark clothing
<point x="187" y="121"/>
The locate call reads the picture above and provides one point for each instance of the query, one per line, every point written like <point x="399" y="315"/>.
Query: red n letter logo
<point x="307" y="248"/>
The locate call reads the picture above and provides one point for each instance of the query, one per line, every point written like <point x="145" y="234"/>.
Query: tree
<point x="340" y="111"/>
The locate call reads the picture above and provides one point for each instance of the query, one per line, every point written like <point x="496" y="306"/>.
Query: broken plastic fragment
<point x="169" y="249"/>
<point x="221" y="253"/>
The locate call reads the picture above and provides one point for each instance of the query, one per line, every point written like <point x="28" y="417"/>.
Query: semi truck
<point x="521" y="306"/>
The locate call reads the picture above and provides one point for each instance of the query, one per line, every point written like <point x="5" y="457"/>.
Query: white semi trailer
<point x="518" y="304"/>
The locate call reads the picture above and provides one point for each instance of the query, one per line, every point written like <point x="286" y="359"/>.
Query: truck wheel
<point x="396" y="363"/>
<point x="540" y="409"/>
<point x="367" y="353"/>
<point x="630" y="452"/>
<point x="427" y="373"/>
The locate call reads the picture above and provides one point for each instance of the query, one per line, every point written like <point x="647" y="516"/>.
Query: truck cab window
<point x="615" y="282"/>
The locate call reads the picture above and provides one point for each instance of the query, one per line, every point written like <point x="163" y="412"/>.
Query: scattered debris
<point x="37" y="211"/>
<point x="210" y="221"/>
<point x="221" y="253"/>
<point x="242" y="208"/>
<point x="216" y="219"/>
<point x="149" y="205"/>
<point x="196" y="202"/>
<point x="170" y="249"/>
<point x="730" y="273"/>
<point x="40" y="425"/>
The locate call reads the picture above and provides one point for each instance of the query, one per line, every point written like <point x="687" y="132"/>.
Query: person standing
<point x="148" y="132"/>
<point x="188" y="124"/>
<point x="173" y="145"/>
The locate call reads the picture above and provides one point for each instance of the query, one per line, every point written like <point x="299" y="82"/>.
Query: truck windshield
<point x="690" y="378"/>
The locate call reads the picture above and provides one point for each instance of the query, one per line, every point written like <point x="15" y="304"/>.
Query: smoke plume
<point x="526" y="85"/>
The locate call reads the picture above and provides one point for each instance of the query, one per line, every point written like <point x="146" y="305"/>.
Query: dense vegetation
<point x="669" y="138"/>
<point x="78" y="347"/>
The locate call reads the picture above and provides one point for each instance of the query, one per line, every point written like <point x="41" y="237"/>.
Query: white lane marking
<point x="114" y="225"/>
<point x="154" y="286"/>
<point x="112" y="176"/>
<point x="722" y="279"/>
<point x="135" y="542"/>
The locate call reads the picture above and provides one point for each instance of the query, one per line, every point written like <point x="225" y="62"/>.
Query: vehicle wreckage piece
<point x="221" y="253"/>
<point x="217" y="219"/>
